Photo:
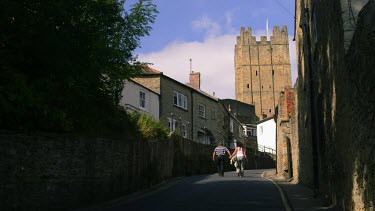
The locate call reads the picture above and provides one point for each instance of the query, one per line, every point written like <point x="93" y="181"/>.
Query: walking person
<point x="219" y="153"/>
<point x="240" y="152"/>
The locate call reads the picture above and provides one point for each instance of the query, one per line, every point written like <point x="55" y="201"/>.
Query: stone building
<point x="245" y="114"/>
<point x="332" y="136"/>
<point x="262" y="69"/>
<point x="195" y="114"/>
<point x="284" y="164"/>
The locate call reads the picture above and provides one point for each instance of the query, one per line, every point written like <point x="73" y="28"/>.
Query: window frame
<point x="172" y="125"/>
<point x="142" y="100"/>
<point x="184" y="130"/>
<point x="203" y="115"/>
<point x="179" y="100"/>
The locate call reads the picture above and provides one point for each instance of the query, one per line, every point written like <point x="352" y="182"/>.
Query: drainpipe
<point x="192" y="116"/>
<point x="275" y="118"/>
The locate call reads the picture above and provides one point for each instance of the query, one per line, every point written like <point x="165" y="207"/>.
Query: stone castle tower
<point x="262" y="69"/>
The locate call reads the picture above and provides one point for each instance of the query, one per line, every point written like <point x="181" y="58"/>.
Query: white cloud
<point x="204" y="23"/>
<point x="229" y="19"/>
<point x="213" y="58"/>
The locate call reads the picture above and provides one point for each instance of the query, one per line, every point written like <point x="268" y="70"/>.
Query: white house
<point x="138" y="98"/>
<point x="266" y="134"/>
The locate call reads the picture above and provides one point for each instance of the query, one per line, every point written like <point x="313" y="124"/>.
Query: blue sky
<point x="205" y="31"/>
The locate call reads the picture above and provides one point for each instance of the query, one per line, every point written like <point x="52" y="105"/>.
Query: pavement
<point x="296" y="196"/>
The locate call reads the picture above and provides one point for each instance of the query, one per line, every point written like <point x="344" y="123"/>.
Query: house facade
<point x="266" y="134"/>
<point x="186" y="109"/>
<point x="138" y="98"/>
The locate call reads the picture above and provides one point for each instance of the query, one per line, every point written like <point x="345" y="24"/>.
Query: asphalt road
<point x="209" y="192"/>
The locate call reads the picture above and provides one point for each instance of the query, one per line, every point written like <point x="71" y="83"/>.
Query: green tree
<point x="62" y="63"/>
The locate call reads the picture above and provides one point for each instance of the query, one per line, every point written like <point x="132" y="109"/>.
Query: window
<point x="179" y="100"/>
<point x="184" y="131"/>
<point x="203" y="138"/>
<point x="213" y="113"/>
<point x="172" y="125"/>
<point x="251" y="132"/>
<point x="248" y="133"/>
<point x="202" y="111"/>
<point x="142" y="99"/>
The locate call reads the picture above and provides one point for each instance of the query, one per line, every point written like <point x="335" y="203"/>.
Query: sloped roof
<point x="151" y="71"/>
<point x="131" y="80"/>
<point x="265" y="120"/>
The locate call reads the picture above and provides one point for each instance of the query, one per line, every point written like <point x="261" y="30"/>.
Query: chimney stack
<point x="195" y="80"/>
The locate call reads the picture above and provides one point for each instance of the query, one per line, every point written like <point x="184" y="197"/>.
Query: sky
<point x="205" y="31"/>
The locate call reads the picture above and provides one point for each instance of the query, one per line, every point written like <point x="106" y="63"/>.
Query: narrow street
<point x="209" y="192"/>
<point x="124" y="105"/>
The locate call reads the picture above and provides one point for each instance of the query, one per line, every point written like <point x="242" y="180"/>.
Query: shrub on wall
<point x="149" y="127"/>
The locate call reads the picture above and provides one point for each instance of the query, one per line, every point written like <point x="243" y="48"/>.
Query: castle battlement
<point x="278" y="37"/>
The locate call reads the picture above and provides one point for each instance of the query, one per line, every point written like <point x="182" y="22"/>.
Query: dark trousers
<point x="220" y="164"/>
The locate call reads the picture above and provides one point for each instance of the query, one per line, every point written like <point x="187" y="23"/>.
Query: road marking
<point x="283" y="196"/>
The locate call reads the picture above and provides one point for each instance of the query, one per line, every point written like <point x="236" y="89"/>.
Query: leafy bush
<point x="149" y="127"/>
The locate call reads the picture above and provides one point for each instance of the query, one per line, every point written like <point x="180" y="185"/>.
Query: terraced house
<point x="189" y="111"/>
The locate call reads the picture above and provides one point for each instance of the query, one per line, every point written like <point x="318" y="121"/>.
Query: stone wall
<point x="284" y="133"/>
<point x="336" y="104"/>
<point x="55" y="172"/>
<point x="61" y="172"/>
